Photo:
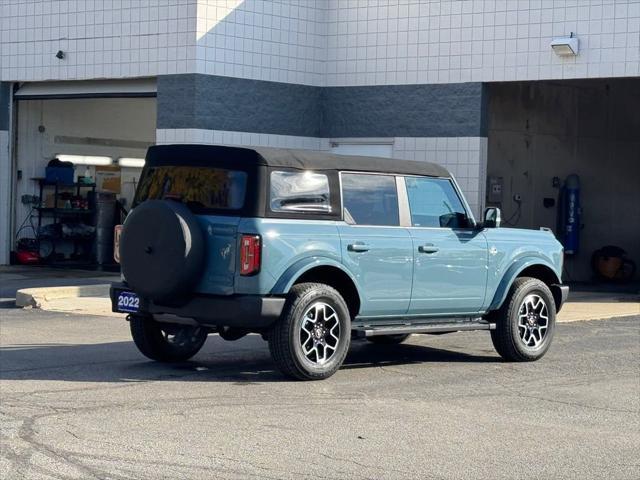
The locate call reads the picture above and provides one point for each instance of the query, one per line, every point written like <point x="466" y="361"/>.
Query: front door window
<point x="434" y="203"/>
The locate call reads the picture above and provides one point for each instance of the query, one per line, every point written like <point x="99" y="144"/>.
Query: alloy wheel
<point x="533" y="321"/>
<point x="319" y="333"/>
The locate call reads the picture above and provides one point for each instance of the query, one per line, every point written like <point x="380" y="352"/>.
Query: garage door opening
<point x="66" y="212"/>
<point x="540" y="133"/>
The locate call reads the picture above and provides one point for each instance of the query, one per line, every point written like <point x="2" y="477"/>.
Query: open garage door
<point x="94" y="124"/>
<point x="540" y="133"/>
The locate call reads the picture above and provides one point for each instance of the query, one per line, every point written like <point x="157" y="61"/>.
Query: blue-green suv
<point x="311" y="250"/>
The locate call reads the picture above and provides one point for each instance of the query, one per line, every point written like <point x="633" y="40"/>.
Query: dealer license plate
<point x="128" y="302"/>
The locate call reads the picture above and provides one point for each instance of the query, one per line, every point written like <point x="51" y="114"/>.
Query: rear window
<point x="200" y="188"/>
<point x="299" y="192"/>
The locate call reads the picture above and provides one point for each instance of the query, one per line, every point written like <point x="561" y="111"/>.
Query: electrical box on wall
<point x="494" y="189"/>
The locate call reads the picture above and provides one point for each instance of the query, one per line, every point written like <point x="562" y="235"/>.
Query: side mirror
<point x="492" y="217"/>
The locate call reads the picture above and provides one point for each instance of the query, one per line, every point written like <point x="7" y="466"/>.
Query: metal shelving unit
<point x="60" y="213"/>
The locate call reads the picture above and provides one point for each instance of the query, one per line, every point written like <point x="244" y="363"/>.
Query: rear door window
<point x="299" y="192"/>
<point x="200" y="188"/>
<point x="434" y="203"/>
<point x="370" y="199"/>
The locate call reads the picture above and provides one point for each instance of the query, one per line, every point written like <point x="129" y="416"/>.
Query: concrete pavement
<point x="79" y="402"/>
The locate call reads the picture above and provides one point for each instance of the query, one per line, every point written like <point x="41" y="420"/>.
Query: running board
<point x="433" y="327"/>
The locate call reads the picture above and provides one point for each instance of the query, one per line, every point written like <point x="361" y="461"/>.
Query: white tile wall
<point x="223" y="137"/>
<point x="5" y="197"/>
<point x="319" y="42"/>
<point x="281" y="40"/>
<point x="405" y="41"/>
<point x="101" y="38"/>
<point x="464" y="157"/>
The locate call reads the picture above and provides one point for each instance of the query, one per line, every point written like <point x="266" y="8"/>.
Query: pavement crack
<point x="364" y="465"/>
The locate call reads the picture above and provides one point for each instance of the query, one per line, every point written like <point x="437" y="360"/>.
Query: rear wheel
<point x="166" y="342"/>
<point x="388" y="339"/>
<point x="526" y="321"/>
<point x="311" y="339"/>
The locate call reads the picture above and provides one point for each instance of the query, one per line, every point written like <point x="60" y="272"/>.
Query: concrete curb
<point x="39" y="297"/>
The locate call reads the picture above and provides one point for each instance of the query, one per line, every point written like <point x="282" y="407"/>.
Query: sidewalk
<point x="588" y="305"/>
<point x="580" y="306"/>
<point x="584" y="303"/>
<point x="15" y="277"/>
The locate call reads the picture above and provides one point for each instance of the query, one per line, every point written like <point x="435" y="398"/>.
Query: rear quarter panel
<point x="289" y="247"/>
<point x="512" y="250"/>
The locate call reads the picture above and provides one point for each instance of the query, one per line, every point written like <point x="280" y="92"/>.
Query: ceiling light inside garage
<point x="85" y="159"/>
<point x="131" y="162"/>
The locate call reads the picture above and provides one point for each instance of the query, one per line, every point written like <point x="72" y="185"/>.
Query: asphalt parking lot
<point x="78" y="401"/>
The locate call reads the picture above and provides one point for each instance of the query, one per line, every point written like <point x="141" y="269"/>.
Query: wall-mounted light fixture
<point x="131" y="162"/>
<point x="565" y="46"/>
<point x="60" y="55"/>
<point x="85" y="160"/>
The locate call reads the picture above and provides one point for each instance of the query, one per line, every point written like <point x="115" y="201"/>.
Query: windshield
<point x="200" y="188"/>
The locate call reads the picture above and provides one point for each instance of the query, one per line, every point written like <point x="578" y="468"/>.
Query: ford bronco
<point x="310" y="250"/>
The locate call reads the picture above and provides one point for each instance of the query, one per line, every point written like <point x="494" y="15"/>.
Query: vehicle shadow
<point x="245" y="361"/>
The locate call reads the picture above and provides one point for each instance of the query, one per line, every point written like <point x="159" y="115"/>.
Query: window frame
<point x="335" y="197"/>
<point x="398" y="195"/>
<point x="456" y="188"/>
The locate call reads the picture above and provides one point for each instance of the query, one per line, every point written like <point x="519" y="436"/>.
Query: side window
<point x="434" y="203"/>
<point x="299" y="192"/>
<point x="370" y="199"/>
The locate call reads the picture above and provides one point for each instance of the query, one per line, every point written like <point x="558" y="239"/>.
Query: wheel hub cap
<point x="319" y="333"/>
<point x="533" y="321"/>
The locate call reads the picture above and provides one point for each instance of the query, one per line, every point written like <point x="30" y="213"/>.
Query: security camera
<point x="60" y="55"/>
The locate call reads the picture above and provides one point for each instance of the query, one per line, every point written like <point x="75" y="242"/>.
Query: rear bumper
<point x="244" y="311"/>
<point x="560" y="295"/>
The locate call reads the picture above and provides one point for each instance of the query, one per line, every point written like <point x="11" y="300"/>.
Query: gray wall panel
<point x="227" y="103"/>
<point x="435" y="110"/>
<point x="4" y="105"/>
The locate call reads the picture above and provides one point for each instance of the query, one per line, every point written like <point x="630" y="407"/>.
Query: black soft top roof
<point x="285" y="158"/>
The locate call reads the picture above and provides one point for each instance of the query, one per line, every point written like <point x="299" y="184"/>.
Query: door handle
<point x="429" y="248"/>
<point x="358" y="247"/>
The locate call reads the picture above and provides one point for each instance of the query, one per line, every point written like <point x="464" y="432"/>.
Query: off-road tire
<point x="389" y="339"/>
<point x="284" y="336"/>
<point x="149" y="338"/>
<point x="506" y="337"/>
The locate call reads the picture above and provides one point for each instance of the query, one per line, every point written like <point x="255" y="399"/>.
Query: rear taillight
<point x="117" y="231"/>
<point x="249" y="254"/>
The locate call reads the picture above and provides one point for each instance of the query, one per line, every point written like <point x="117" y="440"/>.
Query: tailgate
<point x="220" y="262"/>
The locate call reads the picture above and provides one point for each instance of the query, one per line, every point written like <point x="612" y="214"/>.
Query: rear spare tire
<point x="162" y="250"/>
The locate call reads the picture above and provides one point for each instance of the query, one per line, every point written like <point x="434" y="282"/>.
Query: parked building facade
<point x="471" y="84"/>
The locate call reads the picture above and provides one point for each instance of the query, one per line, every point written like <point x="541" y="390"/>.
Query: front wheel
<point x="311" y="339"/>
<point x="526" y="321"/>
<point x="166" y="342"/>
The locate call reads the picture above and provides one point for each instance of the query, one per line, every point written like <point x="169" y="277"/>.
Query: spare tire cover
<point x="162" y="250"/>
